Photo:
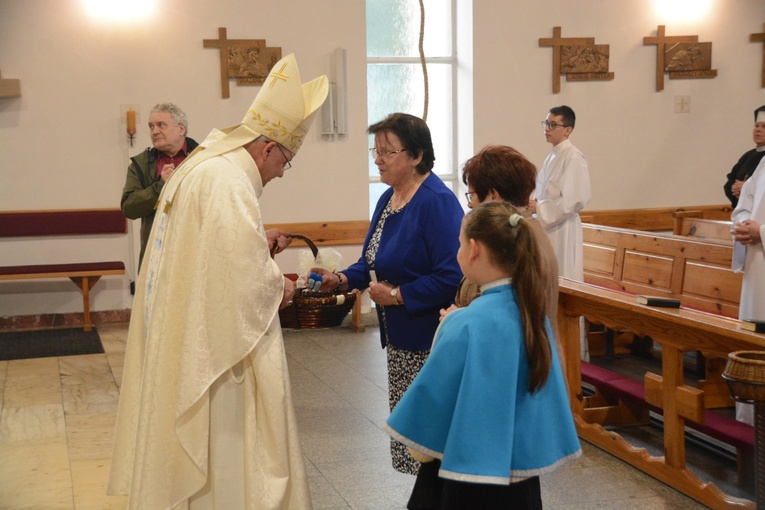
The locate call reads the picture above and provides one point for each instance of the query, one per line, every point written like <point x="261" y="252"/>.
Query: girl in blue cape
<point x="488" y="413"/>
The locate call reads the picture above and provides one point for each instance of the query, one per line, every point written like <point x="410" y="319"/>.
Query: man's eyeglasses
<point x="552" y="125"/>
<point x="469" y="196"/>
<point x="287" y="164"/>
<point x="383" y="154"/>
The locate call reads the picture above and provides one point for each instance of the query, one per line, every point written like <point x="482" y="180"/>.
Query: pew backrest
<point x="695" y="271"/>
<point x="653" y="219"/>
<point x="702" y="228"/>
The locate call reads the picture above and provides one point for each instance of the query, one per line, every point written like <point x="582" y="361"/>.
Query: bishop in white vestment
<point x="206" y="419"/>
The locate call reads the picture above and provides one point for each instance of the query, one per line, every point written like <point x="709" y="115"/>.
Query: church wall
<point x="63" y="143"/>
<point x="640" y="153"/>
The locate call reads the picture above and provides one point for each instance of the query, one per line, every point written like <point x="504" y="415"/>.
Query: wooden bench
<point x="622" y="401"/>
<point x="64" y="223"/>
<point x="677" y="331"/>
<point x="695" y="271"/>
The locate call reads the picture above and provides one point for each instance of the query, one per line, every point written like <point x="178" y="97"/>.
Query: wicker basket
<point x="745" y="374"/>
<point x="313" y="310"/>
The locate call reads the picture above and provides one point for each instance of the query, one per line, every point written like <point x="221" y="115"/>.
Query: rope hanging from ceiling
<point x="422" y="60"/>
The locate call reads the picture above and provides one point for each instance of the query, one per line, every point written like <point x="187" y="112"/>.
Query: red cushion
<point x="62" y="268"/>
<point x="726" y="429"/>
<point x="73" y="222"/>
<point x="594" y="374"/>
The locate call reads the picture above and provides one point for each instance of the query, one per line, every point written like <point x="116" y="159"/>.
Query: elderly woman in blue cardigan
<point x="409" y="258"/>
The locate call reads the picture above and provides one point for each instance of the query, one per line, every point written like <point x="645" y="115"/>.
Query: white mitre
<point x="283" y="111"/>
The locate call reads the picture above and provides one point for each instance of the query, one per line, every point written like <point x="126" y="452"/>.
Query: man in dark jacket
<point x="745" y="167"/>
<point x="149" y="170"/>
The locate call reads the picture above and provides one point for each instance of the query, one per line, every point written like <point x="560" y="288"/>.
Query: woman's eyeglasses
<point x="383" y="154"/>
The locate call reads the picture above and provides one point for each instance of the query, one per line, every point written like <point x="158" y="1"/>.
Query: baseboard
<point x="51" y="320"/>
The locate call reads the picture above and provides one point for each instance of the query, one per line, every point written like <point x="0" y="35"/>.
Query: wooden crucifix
<point x="761" y="39"/>
<point x="247" y="60"/>
<point x="660" y="41"/>
<point x="556" y="41"/>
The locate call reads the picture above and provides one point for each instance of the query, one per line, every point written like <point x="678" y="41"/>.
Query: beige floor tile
<point x="90" y="478"/>
<point x="117" y="364"/>
<point x="56" y="440"/>
<point x="32" y="382"/>
<point x="90" y="436"/>
<point x="31" y="466"/>
<point x="90" y="500"/>
<point x="88" y="385"/>
<point x="31" y="423"/>
<point x="114" y="343"/>
<point x="3" y="372"/>
<point x="42" y="499"/>
<point x="90" y="399"/>
<point x="89" y="369"/>
<point x="24" y="371"/>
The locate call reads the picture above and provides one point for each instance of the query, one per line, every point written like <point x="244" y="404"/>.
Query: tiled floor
<point x="56" y="430"/>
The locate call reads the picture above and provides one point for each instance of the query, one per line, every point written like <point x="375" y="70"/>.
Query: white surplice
<point x="206" y="418"/>
<point x="751" y="206"/>
<point x="563" y="189"/>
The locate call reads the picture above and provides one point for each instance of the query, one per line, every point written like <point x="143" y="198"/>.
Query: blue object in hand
<point x="314" y="281"/>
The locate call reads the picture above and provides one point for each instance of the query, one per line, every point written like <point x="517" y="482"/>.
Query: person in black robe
<point x="748" y="162"/>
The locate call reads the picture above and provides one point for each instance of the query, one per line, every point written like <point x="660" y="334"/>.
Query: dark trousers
<point x="433" y="493"/>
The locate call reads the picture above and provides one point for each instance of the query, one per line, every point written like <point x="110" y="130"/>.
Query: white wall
<point x="641" y="153"/>
<point x="63" y="143"/>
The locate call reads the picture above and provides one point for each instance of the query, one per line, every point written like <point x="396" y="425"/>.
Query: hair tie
<point x="514" y="219"/>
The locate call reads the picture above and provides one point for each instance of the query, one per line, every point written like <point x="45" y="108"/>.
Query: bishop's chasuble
<point x="206" y="417"/>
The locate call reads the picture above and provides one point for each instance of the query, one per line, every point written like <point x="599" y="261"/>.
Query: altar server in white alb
<point x="748" y="231"/>
<point x="206" y="419"/>
<point x="563" y="189"/>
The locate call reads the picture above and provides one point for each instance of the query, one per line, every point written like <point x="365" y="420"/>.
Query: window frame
<point x="452" y="177"/>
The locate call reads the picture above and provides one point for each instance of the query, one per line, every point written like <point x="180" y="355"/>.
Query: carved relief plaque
<point x="251" y="65"/>
<point x="579" y="58"/>
<point x="689" y="60"/>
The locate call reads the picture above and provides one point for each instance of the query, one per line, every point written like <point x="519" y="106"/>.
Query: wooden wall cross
<point x="556" y="41"/>
<point x="760" y="38"/>
<point x="233" y="49"/>
<point x="660" y="41"/>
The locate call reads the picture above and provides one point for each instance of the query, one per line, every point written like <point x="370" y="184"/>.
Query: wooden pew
<point x="678" y="331"/>
<point x="65" y="223"/>
<point x="697" y="272"/>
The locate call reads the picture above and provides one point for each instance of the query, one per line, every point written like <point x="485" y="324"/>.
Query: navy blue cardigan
<point x="418" y="253"/>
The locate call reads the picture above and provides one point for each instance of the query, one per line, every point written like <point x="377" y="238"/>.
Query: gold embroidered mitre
<point x="284" y="108"/>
